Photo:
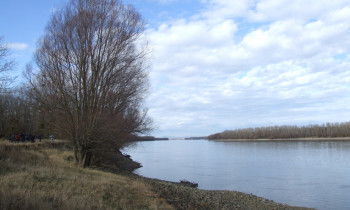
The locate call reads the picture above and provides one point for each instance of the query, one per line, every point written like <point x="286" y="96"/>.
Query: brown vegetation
<point x="328" y="130"/>
<point x="8" y="106"/>
<point x="44" y="176"/>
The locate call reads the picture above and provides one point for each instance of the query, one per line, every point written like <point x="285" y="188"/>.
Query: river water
<point x="306" y="173"/>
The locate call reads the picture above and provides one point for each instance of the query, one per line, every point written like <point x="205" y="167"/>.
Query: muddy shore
<point x="185" y="197"/>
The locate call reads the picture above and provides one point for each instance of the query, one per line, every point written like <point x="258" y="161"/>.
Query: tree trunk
<point x="87" y="159"/>
<point x="76" y="155"/>
<point x="80" y="156"/>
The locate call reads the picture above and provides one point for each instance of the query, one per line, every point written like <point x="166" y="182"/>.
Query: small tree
<point x="5" y="66"/>
<point x="92" y="75"/>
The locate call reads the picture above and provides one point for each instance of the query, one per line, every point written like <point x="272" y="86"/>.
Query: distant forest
<point x="327" y="130"/>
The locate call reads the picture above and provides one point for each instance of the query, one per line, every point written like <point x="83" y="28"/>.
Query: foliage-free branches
<point x="92" y="74"/>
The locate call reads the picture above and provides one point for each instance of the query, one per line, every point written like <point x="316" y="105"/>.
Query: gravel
<point x="185" y="197"/>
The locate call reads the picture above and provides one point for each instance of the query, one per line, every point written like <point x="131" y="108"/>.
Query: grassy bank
<point x="44" y="176"/>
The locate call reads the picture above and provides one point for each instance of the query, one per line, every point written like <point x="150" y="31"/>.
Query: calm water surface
<point x="310" y="174"/>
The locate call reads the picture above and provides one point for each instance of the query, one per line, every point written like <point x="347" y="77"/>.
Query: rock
<point x="188" y="183"/>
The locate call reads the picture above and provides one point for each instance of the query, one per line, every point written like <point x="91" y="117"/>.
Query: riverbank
<point x="182" y="197"/>
<point x="44" y="176"/>
<point x="287" y="139"/>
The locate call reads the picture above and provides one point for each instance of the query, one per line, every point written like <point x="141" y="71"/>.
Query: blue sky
<point x="226" y="64"/>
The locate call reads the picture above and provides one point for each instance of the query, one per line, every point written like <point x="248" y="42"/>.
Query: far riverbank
<point x="288" y="139"/>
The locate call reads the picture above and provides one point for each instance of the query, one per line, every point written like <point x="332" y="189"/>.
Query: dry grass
<point x="40" y="176"/>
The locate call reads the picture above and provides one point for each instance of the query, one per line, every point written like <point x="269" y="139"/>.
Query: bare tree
<point x="16" y="116"/>
<point x="5" y="66"/>
<point x="92" y="75"/>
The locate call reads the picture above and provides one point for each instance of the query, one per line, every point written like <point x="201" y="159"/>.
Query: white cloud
<point x="165" y="1"/>
<point x="271" y="10"/>
<point x="18" y="46"/>
<point x="209" y="73"/>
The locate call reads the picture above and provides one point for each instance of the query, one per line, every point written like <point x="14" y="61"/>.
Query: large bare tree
<point x="92" y="75"/>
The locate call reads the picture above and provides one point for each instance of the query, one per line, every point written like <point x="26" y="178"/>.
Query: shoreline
<point x="286" y="140"/>
<point x="185" y="197"/>
<point x="137" y="191"/>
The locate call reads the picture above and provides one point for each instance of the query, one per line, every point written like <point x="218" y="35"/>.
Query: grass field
<point x="44" y="176"/>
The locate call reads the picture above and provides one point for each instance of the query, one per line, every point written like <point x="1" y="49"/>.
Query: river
<point x="300" y="173"/>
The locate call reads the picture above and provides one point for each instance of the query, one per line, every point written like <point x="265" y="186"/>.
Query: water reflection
<point x="313" y="174"/>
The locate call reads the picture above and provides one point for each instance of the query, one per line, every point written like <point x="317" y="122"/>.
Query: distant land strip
<point x="328" y="131"/>
<point x="289" y="139"/>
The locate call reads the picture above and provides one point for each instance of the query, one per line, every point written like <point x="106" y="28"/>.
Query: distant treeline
<point x="284" y="132"/>
<point x="145" y="138"/>
<point x="196" y="138"/>
<point x="19" y="116"/>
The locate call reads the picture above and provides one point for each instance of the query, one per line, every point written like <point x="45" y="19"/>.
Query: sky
<point x="217" y="65"/>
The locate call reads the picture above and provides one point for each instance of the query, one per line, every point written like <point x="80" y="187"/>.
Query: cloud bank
<point x="251" y="63"/>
